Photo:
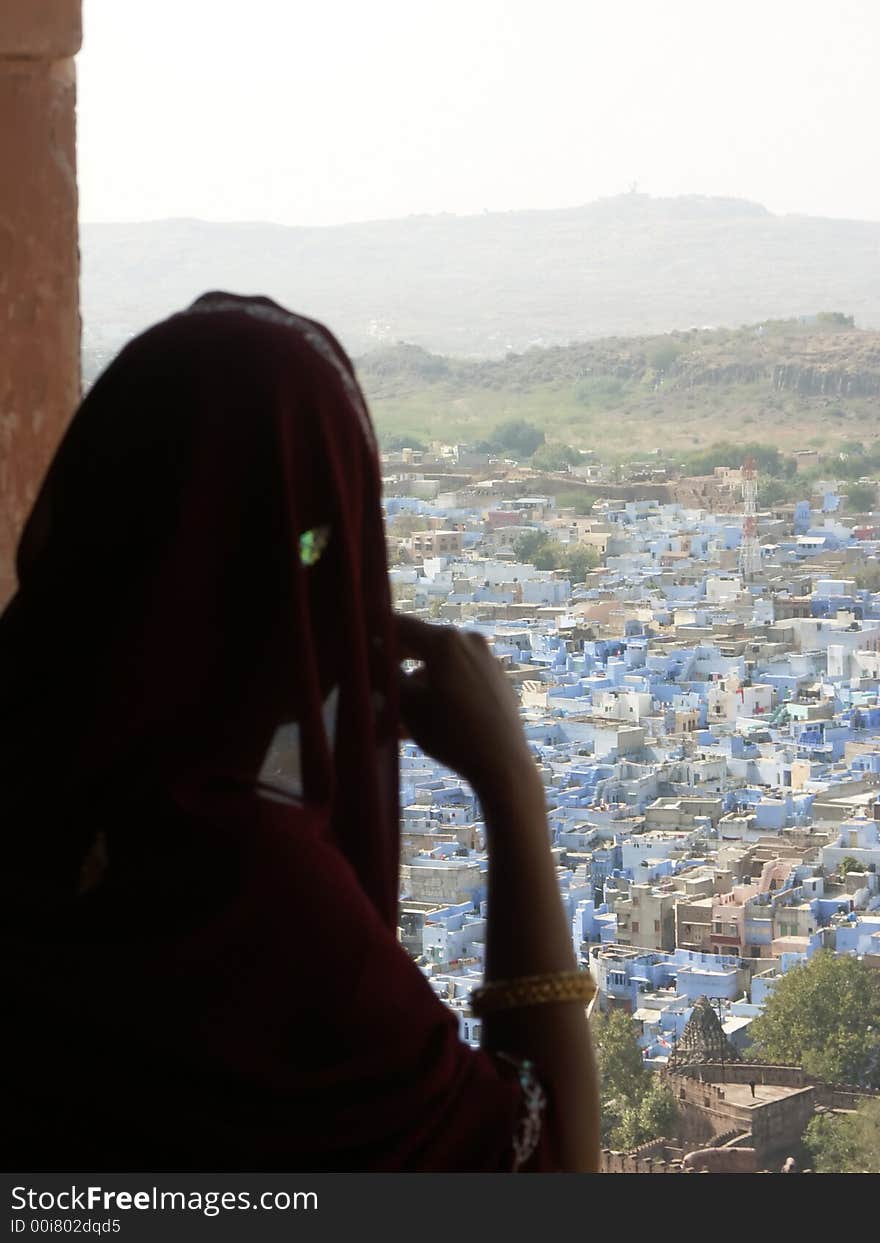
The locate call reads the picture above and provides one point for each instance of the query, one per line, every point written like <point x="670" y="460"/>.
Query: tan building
<point x="797" y="920"/>
<point x="686" y="721"/>
<point x="441" y="881"/>
<point x="652" y="919"/>
<point x="785" y="607"/>
<point x="436" y="543"/>
<point x="693" y="923"/>
<point x="681" y="813"/>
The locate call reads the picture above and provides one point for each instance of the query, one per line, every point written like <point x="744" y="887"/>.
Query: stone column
<point x="39" y="253"/>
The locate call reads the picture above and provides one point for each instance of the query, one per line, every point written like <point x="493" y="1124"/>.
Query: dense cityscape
<point x="698" y="678"/>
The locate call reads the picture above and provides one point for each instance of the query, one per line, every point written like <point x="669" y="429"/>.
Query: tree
<point x="555" y="457"/>
<point x="658" y="1113"/>
<point x="548" y="556"/>
<point x="635" y="1105"/>
<point x="768" y="459"/>
<point x="825" y="1017"/>
<point x="777" y="491"/>
<point x="835" y="319"/>
<point x="580" y="502"/>
<point x="526" y="545"/>
<point x="851" y="468"/>
<point x="537" y="549"/>
<point x="663" y="355"/>
<point x="653" y="1117"/>
<point x="579" y="561"/>
<point x="393" y="444"/>
<point x="860" y="497"/>
<point x="621" y="1070"/>
<point x="622" y="1073"/>
<point x="849" y="864"/>
<point x="868" y="575"/>
<point x="846" y="1143"/>
<point x="517" y="436"/>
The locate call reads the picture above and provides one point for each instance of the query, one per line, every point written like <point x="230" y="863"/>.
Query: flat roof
<point x="765" y="1093"/>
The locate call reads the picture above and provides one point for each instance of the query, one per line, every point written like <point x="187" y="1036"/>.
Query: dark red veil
<point x="199" y="717"/>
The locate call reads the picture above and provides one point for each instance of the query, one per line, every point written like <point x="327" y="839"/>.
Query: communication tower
<point x="749" y="549"/>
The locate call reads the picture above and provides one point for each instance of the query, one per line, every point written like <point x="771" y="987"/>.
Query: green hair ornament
<point x="312" y="544"/>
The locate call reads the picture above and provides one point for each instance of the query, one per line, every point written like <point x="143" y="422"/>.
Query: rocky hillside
<point x="822" y="354"/>
<point x="794" y="384"/>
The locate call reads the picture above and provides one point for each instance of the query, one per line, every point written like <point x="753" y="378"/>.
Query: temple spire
<point x="703" y="1040"/>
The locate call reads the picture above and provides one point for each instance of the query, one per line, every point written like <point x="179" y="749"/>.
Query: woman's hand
<point x="460" y="708"/>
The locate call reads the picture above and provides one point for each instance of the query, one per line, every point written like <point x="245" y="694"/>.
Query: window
<point x="656" y="925"/>
<point x="635" y="925"/>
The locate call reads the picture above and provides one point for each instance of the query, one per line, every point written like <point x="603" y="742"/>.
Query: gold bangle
<point x="532" y="990"/>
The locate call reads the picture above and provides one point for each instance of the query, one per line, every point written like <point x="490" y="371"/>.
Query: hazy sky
<point x="339" y="110"/>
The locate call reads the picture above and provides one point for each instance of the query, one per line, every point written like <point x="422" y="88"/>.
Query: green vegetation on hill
<point x="861" y="497"/>
<point x="516" y="436"/>
<point x="768" y="459"/>
<point x="776" y="387"/>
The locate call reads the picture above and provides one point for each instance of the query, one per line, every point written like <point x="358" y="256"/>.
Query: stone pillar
<point x="39" y="253"/>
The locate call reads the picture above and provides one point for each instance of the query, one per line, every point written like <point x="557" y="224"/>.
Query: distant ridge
<point x="483" y="285"/>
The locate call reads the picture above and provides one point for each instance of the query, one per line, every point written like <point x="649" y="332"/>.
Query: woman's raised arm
<point x="459" y="708"/>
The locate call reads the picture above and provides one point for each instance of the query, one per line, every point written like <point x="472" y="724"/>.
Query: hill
<point x="790" y="384"/>
<point x="481" y="286"/>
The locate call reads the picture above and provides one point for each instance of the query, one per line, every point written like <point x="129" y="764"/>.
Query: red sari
<point x="198" y="695"/>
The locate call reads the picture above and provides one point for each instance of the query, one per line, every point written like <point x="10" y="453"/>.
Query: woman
<point x="201" y="700"/>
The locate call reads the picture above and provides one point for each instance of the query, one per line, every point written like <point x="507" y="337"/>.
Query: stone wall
<point x="707" y="1118"/>
<point x="720" y="1160"/>
<point x="778" y="1126"/>
<point x="757" y="1072"/>
<point x="39" y="258"/>
<point x="833" y="1097"/>
<point x="611" y="1162"/>
<point x="658" y="1157"/>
